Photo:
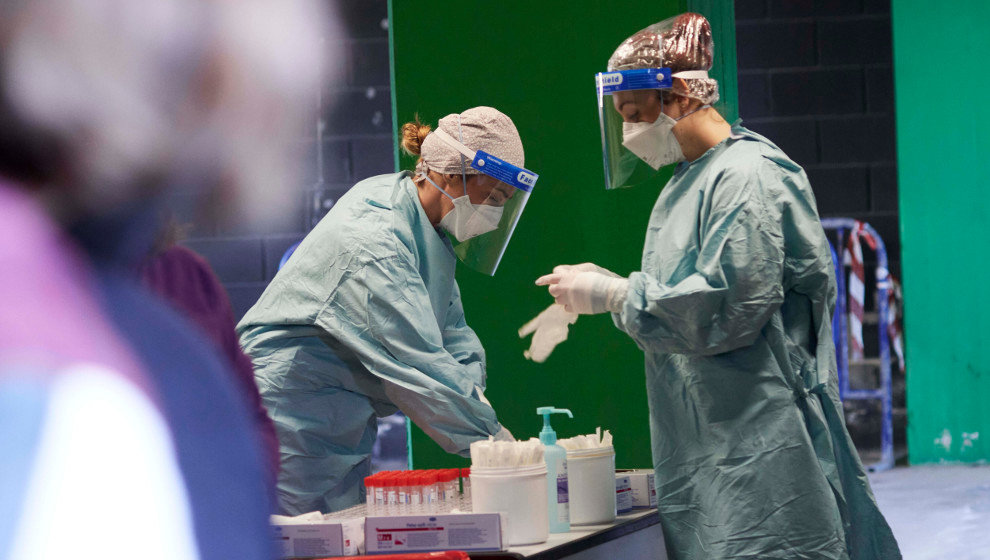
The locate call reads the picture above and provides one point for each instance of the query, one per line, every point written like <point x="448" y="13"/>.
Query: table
<point x="633" y="535"/>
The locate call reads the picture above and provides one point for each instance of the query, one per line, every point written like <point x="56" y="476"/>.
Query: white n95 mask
<point x="467" y="220"/>
<point x="653" y="142"/>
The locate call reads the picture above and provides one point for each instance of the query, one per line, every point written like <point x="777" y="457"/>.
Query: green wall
<point x="535" y="61"/>
<point x="943" y="137"/>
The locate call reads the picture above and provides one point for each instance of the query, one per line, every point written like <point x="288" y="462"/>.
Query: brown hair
<point x="413" y="134"/>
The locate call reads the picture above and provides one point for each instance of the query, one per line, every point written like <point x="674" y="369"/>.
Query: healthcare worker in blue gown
<point x="732" y="309"/>
<point x="366" y="319"/>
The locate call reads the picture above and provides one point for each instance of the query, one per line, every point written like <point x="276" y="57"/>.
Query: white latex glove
<point x="586" y="292"/>
<point x="504" y="435"/>
<point x="584" y="267"/>
<point x="549" y="329"/>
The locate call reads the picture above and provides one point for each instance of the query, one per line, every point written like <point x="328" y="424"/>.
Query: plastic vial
<point x="451" y="492"/>
<point x="391" y="494"/>
<point x="466" y="492"/>
<point x="381" y="491"/>
<point x="432" y="489"/>
<point x="402" y="489"/>
<point x="416" y="492"/>
<point x="369" y="493"/>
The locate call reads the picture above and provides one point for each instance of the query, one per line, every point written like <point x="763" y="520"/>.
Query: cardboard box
<point x="644" y="492"/>
<point x="309" y="539"/>
<point x="431" y="533"/>
<point x="623" y="493"/>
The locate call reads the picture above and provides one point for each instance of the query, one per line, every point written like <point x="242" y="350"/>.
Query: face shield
<point x="674" y="56"/>
<point x="637" y="140"/>
<point x="494" y="197"/>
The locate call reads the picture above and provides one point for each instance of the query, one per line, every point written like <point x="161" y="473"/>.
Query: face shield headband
<point x="483" y="162"/>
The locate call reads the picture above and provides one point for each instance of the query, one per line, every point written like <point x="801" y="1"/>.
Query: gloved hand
<point x="584" y="267"/>
<point x="549" y="329"/>
<point x="587" y="291"/>
<point x="504" y="435"/>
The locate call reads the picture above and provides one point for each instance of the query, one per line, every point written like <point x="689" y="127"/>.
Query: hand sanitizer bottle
<point x="558" y="509"/>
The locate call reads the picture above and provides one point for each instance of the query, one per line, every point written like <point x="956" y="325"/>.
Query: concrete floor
<point x="938" y="512"/>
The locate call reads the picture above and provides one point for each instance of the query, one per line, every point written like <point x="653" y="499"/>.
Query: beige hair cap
<point x="479" y="128"/>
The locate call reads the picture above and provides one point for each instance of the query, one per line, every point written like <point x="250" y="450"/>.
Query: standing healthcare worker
<point x="732" y="309"/>
<point x="366" y="319"/>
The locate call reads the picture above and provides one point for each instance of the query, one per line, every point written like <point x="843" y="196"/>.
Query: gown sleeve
<point x="734" y="281"/>
<point x="400" y="340"/>
<point x="461" y="341"/>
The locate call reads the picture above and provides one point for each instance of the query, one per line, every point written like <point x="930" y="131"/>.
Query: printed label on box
<point x="429" y="533"/>
<point x="309" y="540"/>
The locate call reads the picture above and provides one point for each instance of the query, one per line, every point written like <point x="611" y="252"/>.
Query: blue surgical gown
<point x="364" y="319"/>
<point x="732" y="309"/>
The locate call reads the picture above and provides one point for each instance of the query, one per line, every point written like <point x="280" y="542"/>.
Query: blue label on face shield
<point x="520" y="178"/>
<point x="643" y="78"/>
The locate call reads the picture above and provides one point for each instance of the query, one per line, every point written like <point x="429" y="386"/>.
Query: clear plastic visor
<point x="484" y="252"/>
<point x="502" y="190"/>
<point x="628" y="100"/>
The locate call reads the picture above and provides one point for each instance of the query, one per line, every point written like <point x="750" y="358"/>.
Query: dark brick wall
<point x="815" y="76"/>
<point x="352" y="141"/>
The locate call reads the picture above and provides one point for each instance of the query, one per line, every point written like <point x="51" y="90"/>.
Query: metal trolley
<point x="839" y="229"/>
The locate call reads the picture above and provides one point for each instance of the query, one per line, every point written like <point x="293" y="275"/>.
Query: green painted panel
<point x="536" y="62"/>
<point x="944" y="173"/>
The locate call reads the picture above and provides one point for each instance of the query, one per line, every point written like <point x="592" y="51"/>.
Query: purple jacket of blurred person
<point x="185" y="280"/>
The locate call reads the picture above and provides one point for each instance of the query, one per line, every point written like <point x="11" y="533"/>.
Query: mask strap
<point x="692" y="112"/>
<point x="427" y="177"/>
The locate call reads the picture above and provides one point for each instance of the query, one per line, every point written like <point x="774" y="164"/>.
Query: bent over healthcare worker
<point x="732" y="309"/>
<point x="366" y="319"/>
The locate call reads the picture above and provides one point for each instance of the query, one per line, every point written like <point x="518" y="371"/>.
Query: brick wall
<point x="353" y="141"/>
<point x="815" y="76"/>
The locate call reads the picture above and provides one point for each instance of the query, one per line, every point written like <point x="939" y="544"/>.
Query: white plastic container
<point x="591" y="484"/>
<point x="520" y="493"/>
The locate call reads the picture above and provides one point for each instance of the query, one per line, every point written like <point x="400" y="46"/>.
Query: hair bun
<point x="413" y="134"/>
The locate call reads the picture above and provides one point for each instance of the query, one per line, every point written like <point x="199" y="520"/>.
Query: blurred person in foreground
<point x="120" y="430"/>
<point x="185" y="280"/>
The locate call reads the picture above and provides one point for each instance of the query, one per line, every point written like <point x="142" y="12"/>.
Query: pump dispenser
<point x="558" y="509"/>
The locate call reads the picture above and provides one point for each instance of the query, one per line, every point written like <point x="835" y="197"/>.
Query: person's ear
<point x="683" y="102"/>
